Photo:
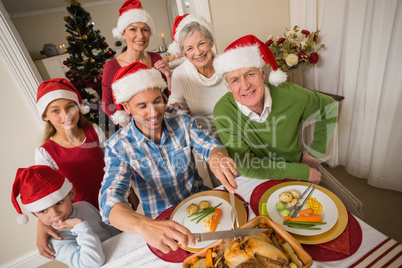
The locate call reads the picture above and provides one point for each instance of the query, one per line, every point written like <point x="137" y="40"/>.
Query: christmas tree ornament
<point x="65" y="62"/>
<point x="105" y="44"/>
<point x="84" y="37"/>
<point x="65" y="18"/>
<point x="92" y="60"/>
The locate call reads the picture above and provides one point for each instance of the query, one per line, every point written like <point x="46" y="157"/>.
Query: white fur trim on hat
<point x="134" y="83"/>
<point x="85" y="109"/>
<point x="238" y="58"/>
<point x="174" y="47"/>
<point x="54" y="95"/>
<point x="22" y="219"/>
<point x="277" y="77"/>
<point x="50" y="199"/>
<point x="120" y="117"/>
<point x="132" y="16"/>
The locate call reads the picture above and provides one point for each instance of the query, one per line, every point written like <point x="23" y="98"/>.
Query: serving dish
<point x="301" y="253"/>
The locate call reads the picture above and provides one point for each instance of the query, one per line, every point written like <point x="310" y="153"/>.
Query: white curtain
<point x="172" y="11"/>
<point x="363" y="63"/>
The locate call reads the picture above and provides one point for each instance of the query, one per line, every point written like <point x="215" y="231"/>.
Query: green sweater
<point x="271" y="149"/>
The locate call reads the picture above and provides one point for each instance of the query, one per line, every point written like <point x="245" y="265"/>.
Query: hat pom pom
<point x="174" y="48"/>
<point x="120" y="117"/>
<point x="277" y="77"/>
<point x="22" y="219"/>
<point x="85" y="109"/>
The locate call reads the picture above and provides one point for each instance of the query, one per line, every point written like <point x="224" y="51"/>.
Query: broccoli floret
<point x="280" y="206"/>
<point x="285" y="212"/>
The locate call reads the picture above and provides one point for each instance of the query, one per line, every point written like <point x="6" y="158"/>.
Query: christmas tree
<point x="88" y="52"/>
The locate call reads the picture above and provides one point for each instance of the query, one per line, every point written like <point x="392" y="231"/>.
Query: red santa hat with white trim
<point x="131" y="80"/>
<point x="179" y="23"/>
<point x="248" y="52"/>
<point x="57" y="88"/>
<point x="39" y="187"/>
<point x="130" y="12"/>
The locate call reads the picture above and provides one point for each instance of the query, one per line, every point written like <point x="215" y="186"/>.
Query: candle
<point x="163" y="47"/>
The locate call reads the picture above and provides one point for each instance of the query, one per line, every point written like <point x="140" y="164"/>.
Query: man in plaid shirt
<point x="154" y="152"/>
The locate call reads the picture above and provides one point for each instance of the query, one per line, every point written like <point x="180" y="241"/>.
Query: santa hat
<point x="130" y="12"/>
<point x="57" y="88"/>
<point x="248" y="52"/>
<point x="131" y="80"/>
<point x="179" y="23"/>
<point x="40" y="187"/>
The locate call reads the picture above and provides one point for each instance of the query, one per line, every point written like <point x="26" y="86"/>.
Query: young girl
<point x="72" y="146"/>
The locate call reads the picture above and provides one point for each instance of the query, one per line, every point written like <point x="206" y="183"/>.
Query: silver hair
<point x="261" y="70"/>
<point x="191" y="28"/>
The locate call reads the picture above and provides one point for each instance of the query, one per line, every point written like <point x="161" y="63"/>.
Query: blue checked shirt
<point x="164" y="173"/>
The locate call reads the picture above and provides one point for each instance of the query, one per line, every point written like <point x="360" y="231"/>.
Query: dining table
<point x="374" y="250"/>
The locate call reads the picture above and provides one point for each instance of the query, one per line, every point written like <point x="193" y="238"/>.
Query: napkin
<point x="340" y="244"/>
<point x="341" y="247"/>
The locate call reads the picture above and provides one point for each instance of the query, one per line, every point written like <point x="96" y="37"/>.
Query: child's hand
<point x="69" y="223"/>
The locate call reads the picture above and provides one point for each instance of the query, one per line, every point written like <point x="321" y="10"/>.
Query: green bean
<point x="204" y="213"/>
<point x="304" y="223"/>
<point x="303" y="227"/>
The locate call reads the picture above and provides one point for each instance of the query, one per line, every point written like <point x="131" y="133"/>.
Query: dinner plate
<point x="329" y="211"/>
<point x="317" y="238"/>
<point x="214" y="198"/>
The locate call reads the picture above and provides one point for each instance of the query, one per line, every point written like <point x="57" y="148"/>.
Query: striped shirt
<point x="164" y="173"/>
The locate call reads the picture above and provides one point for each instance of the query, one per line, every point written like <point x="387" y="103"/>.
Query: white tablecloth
<point x="130" y="250"/>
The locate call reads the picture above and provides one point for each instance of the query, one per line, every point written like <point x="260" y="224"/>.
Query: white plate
<point x="329" y="210"/>
<point x="225" y="223"/>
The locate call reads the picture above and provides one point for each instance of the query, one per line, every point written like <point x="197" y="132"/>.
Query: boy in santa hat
<point x="259" y="123"/>
<point x="49" y="196"/>
<point x="154" y="152"/>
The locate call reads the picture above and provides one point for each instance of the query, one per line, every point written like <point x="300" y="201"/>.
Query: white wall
<point x="233" y="19"/>
<point x="20" y="133"/>
<point x="38" y="30"/>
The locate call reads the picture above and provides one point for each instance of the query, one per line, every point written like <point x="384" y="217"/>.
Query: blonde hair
<point x="50" y="130"/>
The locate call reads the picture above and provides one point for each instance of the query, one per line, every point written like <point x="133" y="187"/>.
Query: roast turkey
<point x="255" y="251"/>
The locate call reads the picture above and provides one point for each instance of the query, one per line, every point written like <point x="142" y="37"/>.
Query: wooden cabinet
<point x="52" y="67"/>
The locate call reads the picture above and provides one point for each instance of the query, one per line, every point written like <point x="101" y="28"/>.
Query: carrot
<point x="215" y="219"/>
<point x="194" y="260"/>
<point x="208" y="258"/>
<point x="310" y="218"/>
<point x="307" y="211"/>
<point x="287" y="218"/>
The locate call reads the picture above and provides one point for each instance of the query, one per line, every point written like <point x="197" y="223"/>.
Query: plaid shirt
<point x="164" y="172"/>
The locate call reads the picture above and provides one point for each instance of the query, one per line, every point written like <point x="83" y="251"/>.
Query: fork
<point x="234" y="212"/>
<point x="295" y="208"/>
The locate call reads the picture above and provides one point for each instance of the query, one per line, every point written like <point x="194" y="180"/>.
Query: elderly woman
<point x="195" y="85"/>
<point x="135" y="26"/>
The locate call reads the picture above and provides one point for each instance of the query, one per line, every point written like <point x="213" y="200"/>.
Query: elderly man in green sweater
<point x="260" y="123"/>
